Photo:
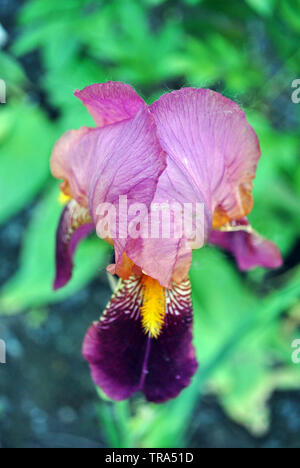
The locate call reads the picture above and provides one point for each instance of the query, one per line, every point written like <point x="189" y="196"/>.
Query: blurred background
<point x="247" y="391"/>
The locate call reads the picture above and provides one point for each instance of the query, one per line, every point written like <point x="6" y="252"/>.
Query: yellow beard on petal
<point x="63" y="199"/>
<point x="154" y="305"/>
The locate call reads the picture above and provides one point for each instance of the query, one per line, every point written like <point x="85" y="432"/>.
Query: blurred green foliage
<point x="249" y="51"/>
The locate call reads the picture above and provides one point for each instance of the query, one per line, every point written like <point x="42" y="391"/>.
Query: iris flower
<point x="192" y="145"/>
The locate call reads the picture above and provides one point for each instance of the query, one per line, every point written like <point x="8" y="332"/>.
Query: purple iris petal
<point x="172" y="361"/>
<point x="74" y="225"/>
<point x="110" y="102"/>
<point x="210" y="150"/>
<point x="131" y="163"/>
<point x="63" y="165"/>
<point x="209" y="139"/>
<point x="102" y="164"/>
<point x="249" y="248"/>
<point x="163" y="258"/>
<point x="124" y="360"/>
<point x="156" y="257"/>
<point x="212" y="153"/>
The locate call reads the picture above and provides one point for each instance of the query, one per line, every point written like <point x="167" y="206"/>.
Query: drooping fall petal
<point x="75" y="223"/>
<point x="172" y="361"/>
<point x="249" y="248"/>
<point x="124" y="359"/>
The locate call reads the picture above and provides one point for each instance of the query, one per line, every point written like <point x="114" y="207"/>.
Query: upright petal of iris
<point x="212" y="155"/>
<point x="97" y="165"/>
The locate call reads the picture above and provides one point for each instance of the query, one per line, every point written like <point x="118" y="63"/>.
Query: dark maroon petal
<point x="74" y="225"/>
<point x="172" y="361"/>
<point x="115" y="346"/>
<point x="124" y="360"/>
<point x="248" y="247"/>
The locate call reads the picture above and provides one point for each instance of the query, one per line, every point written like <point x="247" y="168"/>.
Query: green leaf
<point x="32" y="284"/>
<point x="193" y="2"/>
<point x="26" y="138"/>
<point x="290" y="13"/>
<point x="262" y="7"/>
<point x="11" y="71"/>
